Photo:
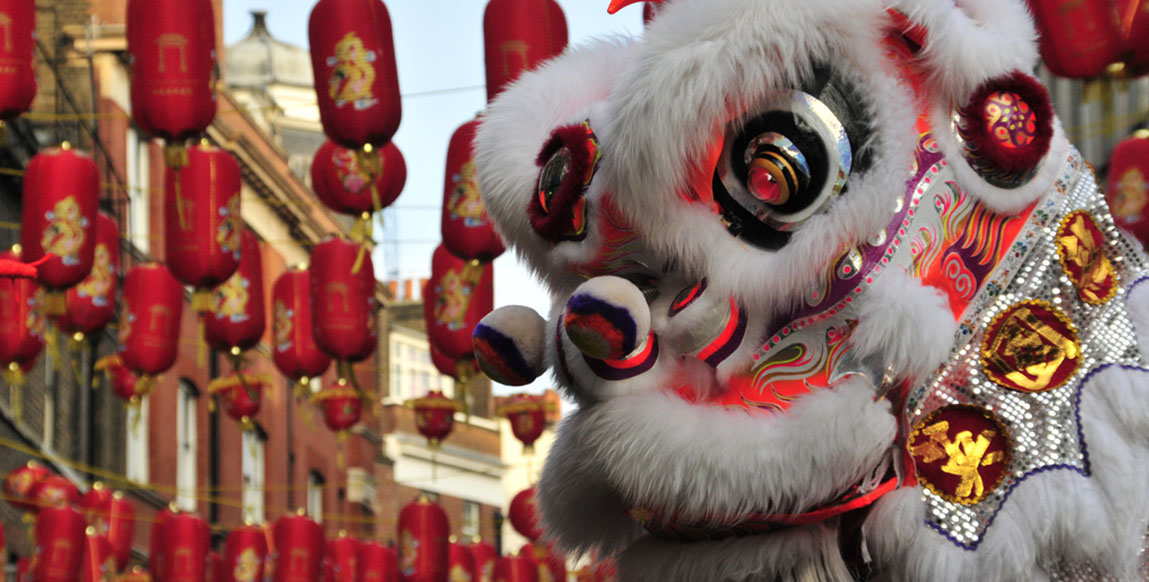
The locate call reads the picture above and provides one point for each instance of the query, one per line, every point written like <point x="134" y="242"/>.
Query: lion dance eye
<point x="776" y="169"/>
<point x="568" y="163"/>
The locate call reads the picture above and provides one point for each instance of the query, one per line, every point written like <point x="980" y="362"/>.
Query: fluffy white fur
<point x="711" y="460"/>
<point x="804" y="554"/>
<point x="971" y="41"/>
<point x="704" y="62"/>
<point x="1051" y="518"/>
<point x="905" y="325"/>
<point x="1006" y="201"/>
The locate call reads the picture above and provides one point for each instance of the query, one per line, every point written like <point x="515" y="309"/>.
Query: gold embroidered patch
<point x="960" y="453"/>
<point x="1032" y="347"/>
<point x="1081" y="246"/>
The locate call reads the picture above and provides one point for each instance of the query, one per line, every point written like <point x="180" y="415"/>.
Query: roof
<point x="259" y="59"/>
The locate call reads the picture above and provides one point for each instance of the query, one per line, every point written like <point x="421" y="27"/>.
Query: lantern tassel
<point x="340" y="460"/>
<point x="201" y="343"/>
<point x="176" y="157"/>
<point x="3" y="133"/>
<point x="55" y="303"/>
<point x="135" y="405"/>
<point x="14" y="376"/>
<point x="52" y="347"/>
<point x="359" y="258"/>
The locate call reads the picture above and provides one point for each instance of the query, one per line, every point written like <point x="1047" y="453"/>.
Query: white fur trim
<point x="1000" y="200"/>
<point x="1050" y="518"/>
<point x="660" y="451"/>
<point x="806" y="554"/>
<point x="972" y="41"/>
<point x="905" y="325"/>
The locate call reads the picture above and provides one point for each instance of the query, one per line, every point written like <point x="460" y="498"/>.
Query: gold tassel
<point x="176" y="157"/>
<point x="201" y="343"/>
<point x="201" y="300"/>
<point x="3" y="133"/>
<point x="55" y="303"/>
<point x="135" y="405"/>
<point x="340" y="460"/>
<point x="359" y="259"/>
<point x="14" y="376"/>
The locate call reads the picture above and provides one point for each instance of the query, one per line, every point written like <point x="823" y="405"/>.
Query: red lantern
<point x="59" y="544"/>
<point x="461" y="293"/>
<point x="125" y="385"/>
<point x="467" y="231"/>
<point x="159" y="539"/>
<point x="61" y="190"/>
<point x="484" y="557"/>
<point x="203" y="222"/>
<point x="55" y="491"/>
<point x="237" y="319"/>
<point x="244" y="554"/>
<point x="172" y="48"/>
<point x="435" y="416"/>
<point x="299" y="547"/>
<point x="215" y="567"/>
<point x="91" y="304"/>
<point x="524" y="514"/>
<point x="94" y="503"/>
<point x="153" y="304"/>
<point x="184" y="555"/>
<point x="343" y="559"/>
<point x="293" y="349"/>
<point x="121" y="520"/>
<point x="377" y="563"/>
<point x="356" y="83"/>
<point x="18" y="485"/>
<point x="1128" y="185"/>
<point x="423" y="542"/>
<point x="551" y="566"/>
<point x="347" y="187"/>
<point x="517" y="36"/>
<point x="461" y="566"/>
<point x="97" y="563"/>
<point x="342" y="408"/>
<point x="1078" y="39"/>
<point x="516" y="569"/>
<point x="528" y="417"/>
<point x="24" y="570"/>
<point x="1134" y="30"/>
<point x="21" y="328"/>
<point x="241" y="395"/>
<point x="343" y="301"/>
<point x="18" y="75"/>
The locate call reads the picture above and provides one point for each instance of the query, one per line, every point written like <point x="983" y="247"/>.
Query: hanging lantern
<point x="61" y="190"/>
<point x="551" y="567"/>
<point x="158" y="539"/>
<point x="123" y="380"/>
<point x="21" y="329"/>
<point x="1134" y="30"/>
<point x="342" y="406"/>
<point x="450" y="367"/>
<point x="59" y="544"/>
<point x="18" y="75"/>
<point x="517" y="36"/>
<point x="153" y="304"/>
<point x="184" y="555"/>
<point x="461" y="293"/>
<point x="241" y="394"/>
<point x="516" y="569"/>
<point x="19" y="483"/>
<point x="467" y="231"/>
<point x="55" y="491"/>
<point x="97" y="563"/>
<point x="484" y="556"/>
<point x="524" y="514"/>
<point x="24" y="570"/>
<point x="135" y="574"/>
<point x="293" y="349"/>
<point x="423" y="542"/>
<point x="377" y="563"/>
<point x="121" y="528"/>
<point x="202" y="220"/>
<point x="244" y="554"/>
<point x="1128" y="185"/>
<point x="214" y="567"/>
<point x="343" y="303"/>
<point x="527" y="414"/>
<point x="237" y="319"/>
<point x="343" y="558"/>
<point x="299" y="548"/>
<point x="94" y="503"/>
<point x="356" y="82"/>
<point x="346" y="187"/>
<point x="90" y="305"/>
<point x="435" y="416"/>
<point x="1077" y="39"/>
<point x="171" y="47"/>
<point x="460" y="564"/>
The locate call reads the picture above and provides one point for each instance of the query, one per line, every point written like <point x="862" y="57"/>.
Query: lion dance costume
<point x="834" y="294"/>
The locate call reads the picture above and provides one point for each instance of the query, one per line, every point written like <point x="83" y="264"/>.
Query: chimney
<point x="259" y="23"/>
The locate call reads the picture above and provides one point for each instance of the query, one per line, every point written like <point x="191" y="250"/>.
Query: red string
<point x="17" y="270"/>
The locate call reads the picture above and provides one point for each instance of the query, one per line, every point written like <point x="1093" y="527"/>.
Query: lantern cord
<point x="15" y="379"/>
<point x="176" y="157"/>
<point x="201" y="333"/>
<point x="340" y="460"/>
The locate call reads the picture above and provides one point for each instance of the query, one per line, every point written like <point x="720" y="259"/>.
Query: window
<point x="470" y="526"/>
<point x="137" y="447"/>
<point x="185" y="445"/>
<point x="253" y="463"/>
<point x="315" y="485"/>
<point x="139" y="190"/>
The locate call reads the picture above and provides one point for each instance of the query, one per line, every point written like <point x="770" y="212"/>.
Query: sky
<point x="439" y="55"/>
